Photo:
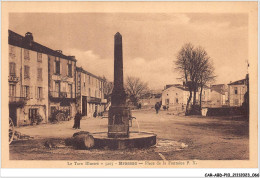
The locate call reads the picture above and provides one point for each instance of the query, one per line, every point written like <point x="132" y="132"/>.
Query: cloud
<point x="157" y="73"/>
<point x="93" y="63"/>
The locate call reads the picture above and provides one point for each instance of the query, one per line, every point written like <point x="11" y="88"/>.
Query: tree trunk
<point x="194" y="97"/>
<point x="201" y="95"/>
<point x="188" y="102"/>
<point x="83" y="141"/>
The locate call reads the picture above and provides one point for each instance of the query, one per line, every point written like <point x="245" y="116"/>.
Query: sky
<point x="151" y="41"/>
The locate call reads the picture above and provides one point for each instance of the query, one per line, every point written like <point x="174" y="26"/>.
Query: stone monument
<point x="119" y="113"/>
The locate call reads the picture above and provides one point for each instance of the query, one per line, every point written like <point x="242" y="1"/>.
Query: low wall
<point x="225" y="111"/>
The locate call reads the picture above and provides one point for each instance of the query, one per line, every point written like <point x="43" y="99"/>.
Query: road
<point x="178" y="138"/>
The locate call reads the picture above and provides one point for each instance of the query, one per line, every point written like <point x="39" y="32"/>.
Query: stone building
<point x="177" y="94"/>
<point x="90" y="93"/>
<point x="218" y="95"/>
<point x="149" y="99"/>
<point x="62" y="83"/>
<point x="28" y="92"/>
<point x="41" y="81"/>
<point x="236" y="92"/>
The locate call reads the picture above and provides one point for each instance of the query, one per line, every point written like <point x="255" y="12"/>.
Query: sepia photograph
<point x="130" y="88"/>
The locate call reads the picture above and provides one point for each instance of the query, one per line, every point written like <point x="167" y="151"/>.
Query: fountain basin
<point x="135" y="140"/>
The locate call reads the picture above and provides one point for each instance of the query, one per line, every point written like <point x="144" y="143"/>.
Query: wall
<point x="32" y="102"/>
<point x="90" y="87"/>
<point x="172" y="94"/>
<point x="241" y="90"/>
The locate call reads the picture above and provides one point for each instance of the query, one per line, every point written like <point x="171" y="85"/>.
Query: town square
<point x="129" y="86"/>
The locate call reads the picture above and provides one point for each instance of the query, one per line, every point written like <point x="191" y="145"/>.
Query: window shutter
<point x="43" y="92"/>
<point x="54" y="66"/>
<point x="53" y="86"/>
<point x="35" y="91"/>
<point x="60" y="67"/>
<point x="68" y="69"/>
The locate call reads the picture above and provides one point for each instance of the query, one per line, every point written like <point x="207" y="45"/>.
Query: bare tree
<point x="184" y="65"/>
<point x="108" y="88"/>
<point x="194" y="66"/>
<point x="135" y="88"/>
<point x="206" y="76"/>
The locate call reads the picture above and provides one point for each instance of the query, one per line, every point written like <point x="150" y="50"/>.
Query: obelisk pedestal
<point x="119" y="114"/>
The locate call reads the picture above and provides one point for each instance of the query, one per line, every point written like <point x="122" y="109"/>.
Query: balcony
<point x="93" y="100"/>
<point x="13" y="79"/>
<point x="20" y="101"/>
<point x="61" y="96"/>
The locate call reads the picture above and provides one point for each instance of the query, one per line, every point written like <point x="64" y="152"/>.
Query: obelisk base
<point x="118" y="121"/>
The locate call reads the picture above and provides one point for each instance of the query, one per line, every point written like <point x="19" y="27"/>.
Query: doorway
<point x="84" y="105"/>
<point x="33" y="115"/>
<point x="13" y="113"/>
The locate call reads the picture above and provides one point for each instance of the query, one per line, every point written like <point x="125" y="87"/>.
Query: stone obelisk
<point x="119" y="114"/>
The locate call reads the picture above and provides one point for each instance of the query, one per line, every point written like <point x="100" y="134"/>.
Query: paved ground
<point x="178" y="137"/>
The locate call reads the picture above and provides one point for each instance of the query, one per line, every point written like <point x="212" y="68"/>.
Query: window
<point x="39" y="57"/>
<point x="69" y="69"/>
<point x="89" y="79"/>
<point x="26" y="91"/>
<point x="12" y="69"/>
<point x="26" y="72"/>
<point x="95" y="93"/>
<point x="235" y="90"/>
<point x="39" y="74"/>
<point x="57" y="89"/>
<point x="11" y="90"/>
<point x="177" y="101"/>
<point x="89" y="92"/>
<point x="57" y="65"/>
<point x="70" y="91"/>
<point x="11" y="52"/>
<point x="26" y="54"/>
<point x="167" y="101"/>
<point x="176" y="94"/>
<point x="39" y="93"/>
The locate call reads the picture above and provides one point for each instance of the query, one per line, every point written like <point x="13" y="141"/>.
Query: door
<point x="33" y="115"/>
<point x="84" y="105"/>
<point x="13" y="114"/>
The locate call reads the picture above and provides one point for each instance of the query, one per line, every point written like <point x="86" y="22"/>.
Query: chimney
<point x="59" y="51"/>
<point x="28" y="38"/>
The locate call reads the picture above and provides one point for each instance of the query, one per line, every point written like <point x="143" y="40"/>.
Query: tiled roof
<point x="220" y="88"/>
<point x="21" y="41"/>
<point x="80" y="69"/>
<point x="238" y="82"/>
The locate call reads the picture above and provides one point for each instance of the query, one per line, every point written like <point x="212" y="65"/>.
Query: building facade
<point x="90" y="93"/>
<point x="218" y="95"/>
<point x="177" y="94"/>
<point x="236" y="91"/>
<point x="62" y="84"/>
<point x="28" y="92"/>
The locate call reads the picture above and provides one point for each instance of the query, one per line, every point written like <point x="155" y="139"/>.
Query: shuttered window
<point x="26" y="72"/>
<point x="12" y="69"/>
<point x="26" y="54"/>
<point x="39" y="57"/>
<point x="39" y="74"/>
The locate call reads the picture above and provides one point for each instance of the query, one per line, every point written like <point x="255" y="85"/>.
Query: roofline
<point x="233" y="83"/>
<point x="16" y="39"/>
<point x="80" y="69"/>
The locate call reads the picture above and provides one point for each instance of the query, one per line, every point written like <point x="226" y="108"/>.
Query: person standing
<point x="157" y="107"/>
<point x="77" y="119"/>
